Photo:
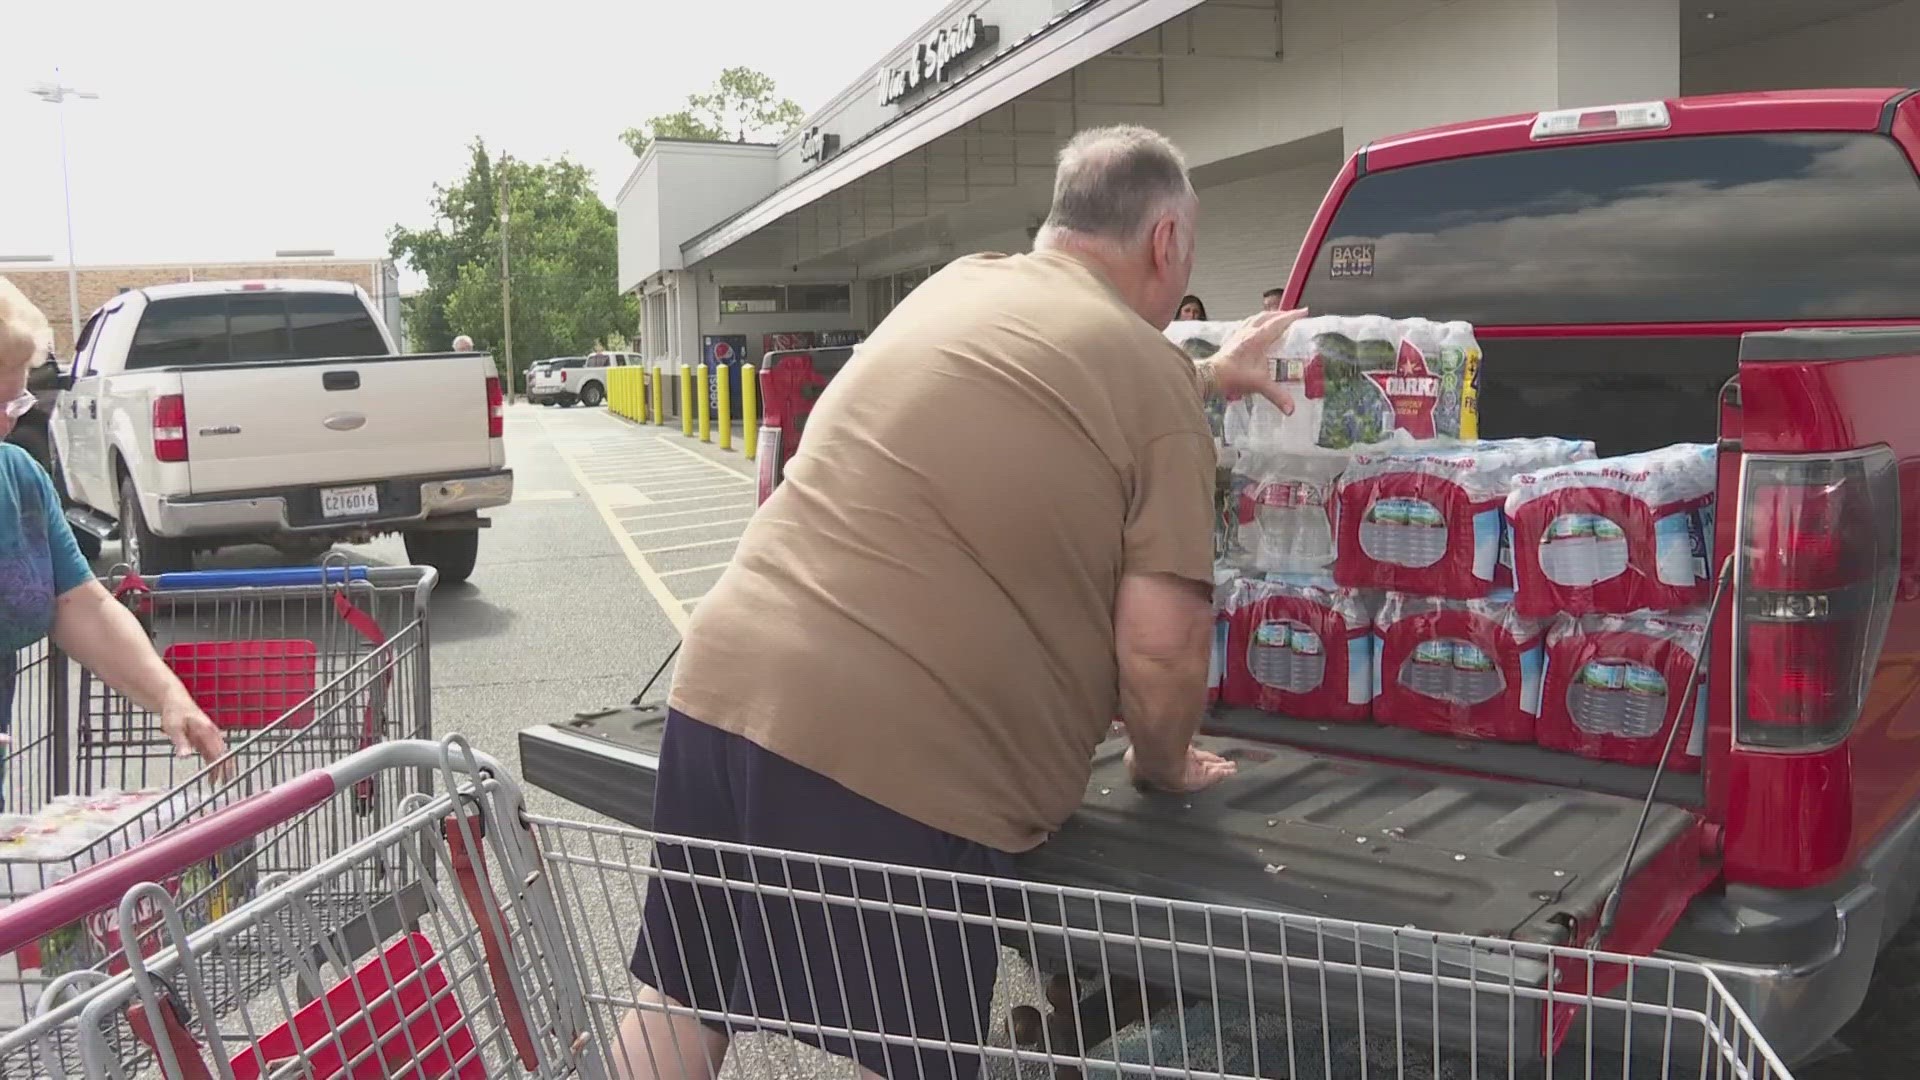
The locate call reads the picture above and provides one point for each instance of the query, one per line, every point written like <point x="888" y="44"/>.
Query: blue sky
<point x="229" y="130"/>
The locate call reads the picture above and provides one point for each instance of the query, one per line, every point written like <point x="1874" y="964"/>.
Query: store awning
<point x="1071" y="38"/>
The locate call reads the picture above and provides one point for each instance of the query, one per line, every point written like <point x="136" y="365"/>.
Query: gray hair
<point x="25" y="337"/>
<point x="1115" y="182"/>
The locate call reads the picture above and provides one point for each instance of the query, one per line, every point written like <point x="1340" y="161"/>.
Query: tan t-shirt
<point x="923" y="610"/>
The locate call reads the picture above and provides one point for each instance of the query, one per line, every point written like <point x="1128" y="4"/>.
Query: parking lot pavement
<point x="561" y="614"/>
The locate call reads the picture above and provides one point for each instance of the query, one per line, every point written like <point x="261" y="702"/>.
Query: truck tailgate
<point x="1294" y="831"/>
<point x="257" y="426"/>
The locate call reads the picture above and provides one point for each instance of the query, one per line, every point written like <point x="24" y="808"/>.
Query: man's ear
<point x="1166" y="243"/>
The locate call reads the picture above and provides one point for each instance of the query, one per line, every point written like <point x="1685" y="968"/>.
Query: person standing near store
<point x="995" y="540"/>
<point x="1191" y="310"/>
<point x="1273" y="299"/>
<point x="46" y="588"/>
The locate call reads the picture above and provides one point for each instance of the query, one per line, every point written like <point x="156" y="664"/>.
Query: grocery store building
<point x="945" y="145"/>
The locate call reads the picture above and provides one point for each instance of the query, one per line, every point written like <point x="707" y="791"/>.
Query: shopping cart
<point x="495" y="943"/>
<point x="299" y="666"/>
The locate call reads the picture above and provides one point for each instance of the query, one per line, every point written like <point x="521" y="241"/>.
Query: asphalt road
<point x="584" y="581"/>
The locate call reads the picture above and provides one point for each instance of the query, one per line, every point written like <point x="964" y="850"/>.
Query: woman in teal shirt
<point x="46" y="587"/>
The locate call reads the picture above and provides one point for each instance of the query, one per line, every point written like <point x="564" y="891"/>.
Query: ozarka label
<point x="1412" y="389"/>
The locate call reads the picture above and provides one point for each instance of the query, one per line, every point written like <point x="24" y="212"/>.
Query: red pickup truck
<point x="1742" y="270"/>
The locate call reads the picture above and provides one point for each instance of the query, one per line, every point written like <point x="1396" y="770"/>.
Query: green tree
<point x="743" y="105"/>
<point x="562" y="248"/>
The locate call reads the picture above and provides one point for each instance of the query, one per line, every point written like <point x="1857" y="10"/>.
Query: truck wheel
<point x="139" y="547"/>
<point x="592" y="395"/>
<point x="568" y="402"/>
<point x="451" y="552"/>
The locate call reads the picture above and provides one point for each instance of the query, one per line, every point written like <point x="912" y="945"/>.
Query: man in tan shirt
<point x="995" y="541"/>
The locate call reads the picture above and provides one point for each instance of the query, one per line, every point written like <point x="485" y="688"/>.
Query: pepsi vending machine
<point x="723" y="353"/>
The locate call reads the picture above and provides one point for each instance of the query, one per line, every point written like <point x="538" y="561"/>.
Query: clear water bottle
<point x="1309" y="661"/>
<point x="1644" y="713"/>
<point x="1598" y="703"/>
<point x="1270" y="658"/>
<point x="1475" y="677"/>
<point x="1429" y="672"/>
<point x="1609" y="550"/>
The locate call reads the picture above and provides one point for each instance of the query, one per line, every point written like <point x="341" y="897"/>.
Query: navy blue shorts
<point x="794" y="964"/>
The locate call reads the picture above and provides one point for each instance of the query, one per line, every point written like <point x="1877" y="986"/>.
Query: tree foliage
<point x="742" y="106"/>
<point x="562" y="248"/>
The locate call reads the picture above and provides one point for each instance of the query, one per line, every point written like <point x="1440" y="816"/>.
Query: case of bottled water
<point x="1465" y="668"/>
<point x="1201" y="340"/>
<point x="1429" y="517"/>
<point x="1299" y="647"/>
<point x="1283" y="517"/>
<point x="1618" y="534"/>
<point x="1366" y="377"/>
<point x="1614" y="685"/>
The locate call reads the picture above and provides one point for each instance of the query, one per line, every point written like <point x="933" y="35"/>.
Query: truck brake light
<point x="170" y="428"/>
<point x="496" y="409"/>
<point x="1637" y="116"/>
<point x="563" y="374"/>
<point x="1819" y="557"/>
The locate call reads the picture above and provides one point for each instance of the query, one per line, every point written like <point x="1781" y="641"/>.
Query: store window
<point x="781" y="299"/>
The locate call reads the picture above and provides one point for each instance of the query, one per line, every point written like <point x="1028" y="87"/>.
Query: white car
<point x="565" y="380"/>
<point x="215" y="413"/>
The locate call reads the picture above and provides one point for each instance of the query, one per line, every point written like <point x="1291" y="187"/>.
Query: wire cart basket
<point x="470" y="939"/>
<point x="299" y="667"/>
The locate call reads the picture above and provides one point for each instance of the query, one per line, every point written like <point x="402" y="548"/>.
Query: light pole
<point x="56" y="94"/>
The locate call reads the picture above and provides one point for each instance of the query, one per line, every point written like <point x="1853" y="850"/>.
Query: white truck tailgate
<point x="276" y="426"/>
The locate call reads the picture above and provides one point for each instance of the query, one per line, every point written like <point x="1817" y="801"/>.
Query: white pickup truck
<point x="216" y="413"/>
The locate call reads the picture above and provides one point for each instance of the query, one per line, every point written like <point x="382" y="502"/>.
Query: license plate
<point x="356" y="501"/>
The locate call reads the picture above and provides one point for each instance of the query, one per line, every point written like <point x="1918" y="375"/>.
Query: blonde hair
<point x="25" y="335"/>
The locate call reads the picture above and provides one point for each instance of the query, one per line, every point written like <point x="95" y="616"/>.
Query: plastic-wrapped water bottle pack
<point x="1462" y="668"/>
<point x="1369" y="376"/>
<point x="1429" y="518"/>
<point x="1299" y="647"/>
<point x="1616" y="686"/>
<point x="1616" y="534"/>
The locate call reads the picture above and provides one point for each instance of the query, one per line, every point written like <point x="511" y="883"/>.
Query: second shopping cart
<point x="299" y="667"/>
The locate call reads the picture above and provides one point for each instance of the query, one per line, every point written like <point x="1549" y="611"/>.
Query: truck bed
<point x="1297" y="830"/>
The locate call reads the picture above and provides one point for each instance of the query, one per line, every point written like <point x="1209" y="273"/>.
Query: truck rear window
<point x="253" y="326"/>
<point x="1720" y="228"/>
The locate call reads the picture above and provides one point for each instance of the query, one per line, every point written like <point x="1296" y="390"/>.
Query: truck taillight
<point x="563" y="374"/>
<point x="496" y="409"/>
<point x="1819" y="557"/>
<point x="170" y="428"/>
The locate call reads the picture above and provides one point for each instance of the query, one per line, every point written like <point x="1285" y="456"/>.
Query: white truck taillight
<point x="496" y="408"/>
<point x="1819" y="556"/>
<point x="170" y="428"/>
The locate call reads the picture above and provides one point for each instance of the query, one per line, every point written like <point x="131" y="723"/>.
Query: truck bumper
<point x="1800" y="962"/>
<point x="412" y="499"/>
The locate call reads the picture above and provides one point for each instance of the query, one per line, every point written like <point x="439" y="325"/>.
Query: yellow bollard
<point x="659" y="390"/>
<point x="749" y="405"/>
<point x="686" y="399"/>
<point x="706" y="403"/>
<point x="723" y="409"/>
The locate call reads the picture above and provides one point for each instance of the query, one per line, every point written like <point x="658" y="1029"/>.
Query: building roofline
<point x="955" y="97"/>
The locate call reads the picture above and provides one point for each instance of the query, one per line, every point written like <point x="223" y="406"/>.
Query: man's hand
<point x="1241" y="366"/>
<point x="192" y="733"/>
<point x="1202" y="769"/>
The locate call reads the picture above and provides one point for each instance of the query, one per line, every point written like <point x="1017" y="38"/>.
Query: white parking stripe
<point x="684" y="528"/>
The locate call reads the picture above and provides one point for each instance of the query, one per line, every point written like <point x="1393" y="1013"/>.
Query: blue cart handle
<point x="261" y="578"/>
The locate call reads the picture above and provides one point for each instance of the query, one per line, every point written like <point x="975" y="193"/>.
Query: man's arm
<point x="1163" y="626"/>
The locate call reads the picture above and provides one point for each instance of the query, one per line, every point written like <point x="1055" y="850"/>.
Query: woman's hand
<point x="192" y="732"/>
<point x="95" y="629"/>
